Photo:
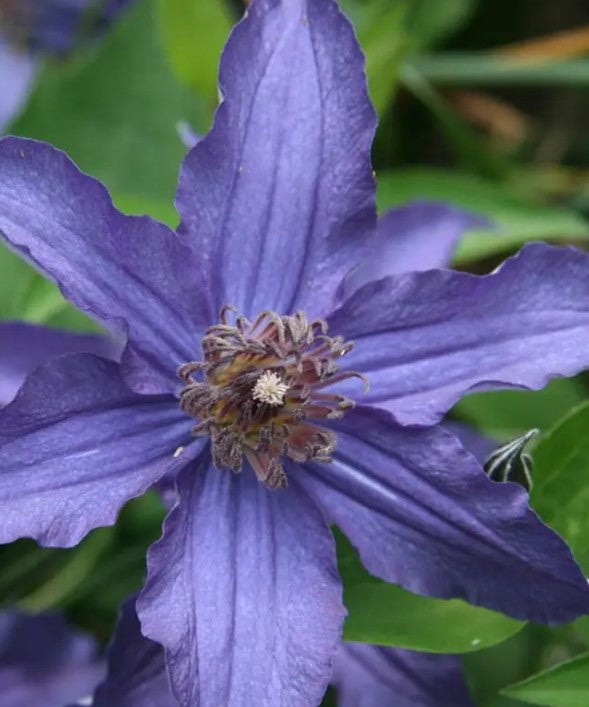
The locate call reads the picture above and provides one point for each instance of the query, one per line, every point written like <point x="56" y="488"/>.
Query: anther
<point x="260" y="392"/>
<point x="270" y="389"/>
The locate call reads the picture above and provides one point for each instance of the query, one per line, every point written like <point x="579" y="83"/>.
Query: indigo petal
<point x="136" y="668"/>
<point x="130" y="273"/>
<point x="423" y="514"/>
<point x="44" y="663"/>
<point x="425" y="339"/>
<point x="419" y="236"/>
<point x="75" y="445"/>
<point x="23" y="347"/>
<point x="243" y="593"/>
<point x="472" y="440"/>
<point x="374" y="676"/>
<point x="277" y="196"/>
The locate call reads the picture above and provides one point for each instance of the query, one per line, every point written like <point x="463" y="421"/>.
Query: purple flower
<point x="43" y="663"/>
<point x="278" y="221"/>
<point x="373" y="676"/>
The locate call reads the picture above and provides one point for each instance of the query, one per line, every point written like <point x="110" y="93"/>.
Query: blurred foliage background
<point x="483" y="104"/>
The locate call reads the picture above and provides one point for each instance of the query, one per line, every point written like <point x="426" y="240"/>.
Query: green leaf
<point x="74" y="572"/>
<point x="581" y="626"/>
<point x="381" y="29"/>
<point x="431" y="22"/>
<point x="561" y="478"/>
<point x="480" y="69"/>
<point x="24" y="294"/>
<point x="505" y="414"/>
<point x="390" y="31"/>
<point x="472" y="152"/>
<point x="114" y="109"/>
<point x="565" y="685"/>
<point x="194" y="33"/>
<point x="16" y="280"/>
<point x="389" y="615"/>
<point x="138" y="205"/>
<point x="517" y="220"/>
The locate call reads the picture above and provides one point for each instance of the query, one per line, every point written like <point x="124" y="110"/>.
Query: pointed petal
<point x="423" y="514"/>
<point x="24" y="346"/>
<point x="75" y="445"/>
<point x="243" y="592"/>
<point x="425" y="339"/>
<point x="136" y="668"/>
<point x="45" y="663"/>
<point x="130" y="273"/>
<point x="281" y="189"/>
<point x="418" y="236"/>
<point x="374" y="676"/>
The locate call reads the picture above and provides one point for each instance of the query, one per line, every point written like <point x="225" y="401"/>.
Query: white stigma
<point x="269" y="389"/>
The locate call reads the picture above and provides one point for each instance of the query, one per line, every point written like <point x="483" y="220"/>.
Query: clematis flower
<point x="373" y="676"/>
<point x="364" y="675"/>
<point x="44" y="663"/>
<point x="238" y="375"/>
<point x="30" y="29"/>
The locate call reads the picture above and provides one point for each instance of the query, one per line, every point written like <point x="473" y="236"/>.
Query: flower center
<point x="270" y="389"/>
<point x="260" y="391"/>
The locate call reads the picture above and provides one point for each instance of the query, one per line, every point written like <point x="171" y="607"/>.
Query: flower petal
<point x="75" y="445"/>
<point x="24" y="346"/>
<point x="425" y="339"/>
<point x="373" y="676"/>
<point x="279" y="192"/>
<point x="44" y="663"/>
<point x="243" y="593"/>
<point x="136" y="668"/>
<point x="423" y="514"/>
<point x="17" y="73"/>
<point x="472" y="440"/>
<point x="130" y="273"/>
<point x="418" y="236"/>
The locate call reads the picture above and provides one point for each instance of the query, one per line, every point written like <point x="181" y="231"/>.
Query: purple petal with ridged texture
<point x="374" y="676"/>
<point x="472" y="440"/>
<point x="43" y="662"/>
<point x="24" y="346"/>
<point x="17" y="73"/>
<point x="423" y="514"/>
<point x="418" y="236"/>
<point x="130" y="273"/>
<point x="277" y="196"/>
<point x="425" y="339"/>
<point x="136" y="668"/>
<point x="76" y="444"/>
<point x="243" y="593"/>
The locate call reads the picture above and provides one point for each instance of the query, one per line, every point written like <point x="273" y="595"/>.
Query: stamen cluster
<point x="261" y="390"/>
